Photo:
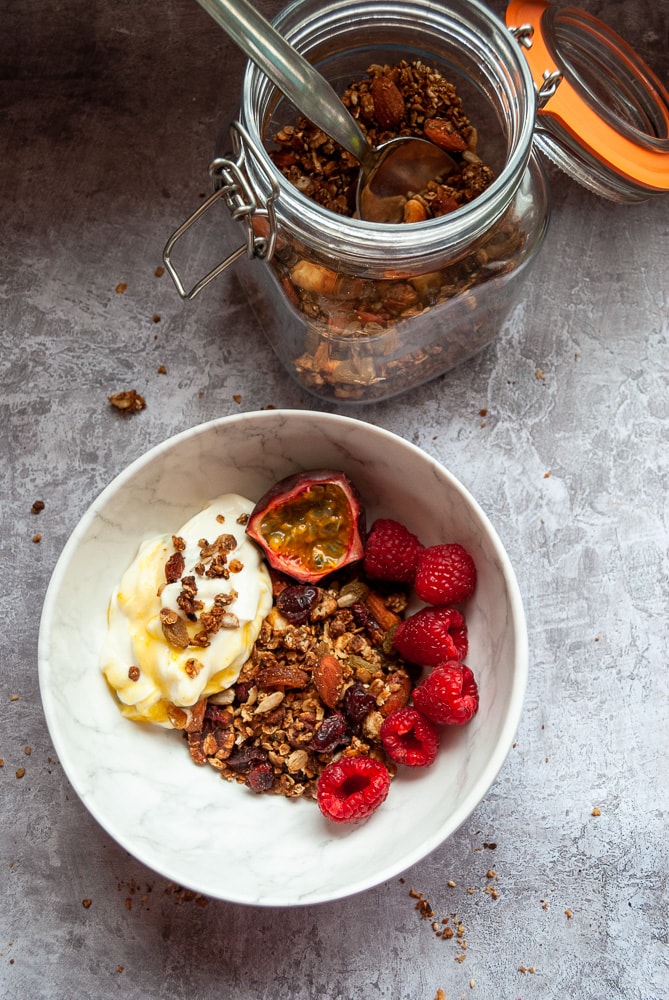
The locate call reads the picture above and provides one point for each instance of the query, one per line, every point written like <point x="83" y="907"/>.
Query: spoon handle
<point x="296" y="78"/>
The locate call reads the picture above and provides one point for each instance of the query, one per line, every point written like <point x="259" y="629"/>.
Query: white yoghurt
<point x="148" y="673"/>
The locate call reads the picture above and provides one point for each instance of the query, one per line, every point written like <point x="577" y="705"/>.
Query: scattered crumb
<point x="86" y="903"/>
<point x="440" y="995"/>
<point x="568" y="914"/>
<point x="162" y="370"/>
<point x="128" y="401"/>
<point x="156" y="318"/>
<point x="38" y="506"/>
<point x="540" y="374"/>
<point x="185" y="895"/>
<point x="237" y="398"/>
<point x="37" y="538"/>
<point x="472" y="984"/>
<point x="20" y="772"/>
<point x="119" y="968"/>
<point x="451" y="883"/>
<point x="547" y="475"/>
<point x="27" y="751"/>
<point x="596" y="812"/>
<point x="491" y="847"/>
<point x="2" y="763"/>
<point x="159" y="272"/>
<point x="121" y="288"/>
<point x="483" y="412"/>
<point x="441" y="928"/>
<point x="13" y="697"/>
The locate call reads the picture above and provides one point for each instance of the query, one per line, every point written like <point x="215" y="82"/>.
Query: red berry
<point x="445" y="574"/>
<point x="391" y="552"/>
<point x="431" y="636"/>
<point x="410" y="738"/>
<point x="449" y="695"/>
<point x="351" y="788"/>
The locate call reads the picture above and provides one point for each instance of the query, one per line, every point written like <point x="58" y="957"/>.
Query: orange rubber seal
<point x="631" y="151"/>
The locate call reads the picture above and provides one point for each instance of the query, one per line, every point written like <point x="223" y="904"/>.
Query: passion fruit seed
<point x="315" y="527"/>
<point x="310" y="524"/>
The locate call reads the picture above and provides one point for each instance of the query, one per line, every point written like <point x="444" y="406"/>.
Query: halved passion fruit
<point x="310" y="524"/>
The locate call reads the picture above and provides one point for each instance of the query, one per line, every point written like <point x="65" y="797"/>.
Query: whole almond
<point x="329" y="679"/>
<point x="388" y="102"/>
<point x="444" y="134"/>
<point x="281" y="676"/>
<point x="395" y="693"/>
<point x="414" y="211"/>
<point x="383" y="615"/>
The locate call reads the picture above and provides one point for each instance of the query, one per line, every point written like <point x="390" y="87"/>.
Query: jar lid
<point x="603" y="114"/>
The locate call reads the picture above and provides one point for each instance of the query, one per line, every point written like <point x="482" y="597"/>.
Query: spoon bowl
<point x="389" y="173"/>
<point x="401" y="167"/>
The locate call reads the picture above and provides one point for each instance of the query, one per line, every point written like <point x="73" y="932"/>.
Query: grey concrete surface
<point x="108" y="116"/>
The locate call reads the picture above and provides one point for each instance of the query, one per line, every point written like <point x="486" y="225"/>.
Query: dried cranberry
<point x="242" y="691"/>
<point x="244" y="759"/>
<point x="332" y="732"/>
<point x="260" y="778"/>
<point x="217" y="715"/>
<point x="363" y="619"/>
<point x="295" y="603"/>
<point x="358" y="703"/>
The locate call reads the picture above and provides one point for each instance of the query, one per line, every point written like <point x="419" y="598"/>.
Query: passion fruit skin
<point x="287" y="527"/>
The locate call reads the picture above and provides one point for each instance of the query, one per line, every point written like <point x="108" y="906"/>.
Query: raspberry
<point x="431" y="636"/>
<point x="449" y="695"/>
<point x="445" y="574"/>
<point x="410" y="738"/>
<point x="351" y="788"/>
<point x="391" y="552"/>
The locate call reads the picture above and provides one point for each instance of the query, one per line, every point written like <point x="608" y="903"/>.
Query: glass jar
<point x="359" y="311"/>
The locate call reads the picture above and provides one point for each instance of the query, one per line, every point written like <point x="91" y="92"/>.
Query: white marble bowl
<point x="138" y="781"/>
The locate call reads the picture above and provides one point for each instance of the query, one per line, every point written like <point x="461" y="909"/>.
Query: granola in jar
<point x="365" y="337"/>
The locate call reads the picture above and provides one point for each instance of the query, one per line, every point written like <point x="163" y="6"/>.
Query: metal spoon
<point x="388" y="173"/>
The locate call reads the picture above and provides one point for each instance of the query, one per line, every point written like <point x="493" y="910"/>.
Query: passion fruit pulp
<point x="310" y="524"/>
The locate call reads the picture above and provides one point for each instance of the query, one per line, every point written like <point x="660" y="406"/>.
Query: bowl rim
<point x="489" y="771"/>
